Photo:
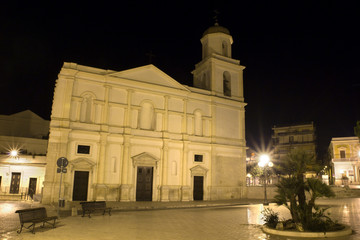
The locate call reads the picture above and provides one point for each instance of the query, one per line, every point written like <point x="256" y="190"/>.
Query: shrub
<point x="270" y="217"/>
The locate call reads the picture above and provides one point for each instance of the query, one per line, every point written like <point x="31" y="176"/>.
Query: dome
<point x="216" y="29"/>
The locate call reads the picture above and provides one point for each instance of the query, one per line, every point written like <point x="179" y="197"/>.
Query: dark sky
<point x="301" y="57"/>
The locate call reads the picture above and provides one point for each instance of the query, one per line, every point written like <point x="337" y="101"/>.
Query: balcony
<point x="352" y="159"/>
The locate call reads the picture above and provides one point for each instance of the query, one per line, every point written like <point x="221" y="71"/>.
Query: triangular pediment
<point x="27" y="114"/>
<point x="198" y="170"/>
<point x="149" y="74"/>
<point x="82" y="163"/>
<point x="145" y="159"/>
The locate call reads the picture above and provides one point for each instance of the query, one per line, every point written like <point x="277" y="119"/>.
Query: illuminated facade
<point x="345" y="159"/>
<point x="139" y="135"/>
<point x="26" y="134"/>
<point x="288" y="137"/>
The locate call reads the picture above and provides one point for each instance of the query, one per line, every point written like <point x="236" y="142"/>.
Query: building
<point x="139" y="135"/>
<point x="287" y="137"/>
<point x="345" y="159"/>
<point x="23" y="171"/>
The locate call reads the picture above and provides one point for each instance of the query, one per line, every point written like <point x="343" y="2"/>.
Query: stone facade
<point x="139" y="135"/>
<point x="27" y="133"/>
<point x="287" y="137"/>
<point x="345" y="160"/>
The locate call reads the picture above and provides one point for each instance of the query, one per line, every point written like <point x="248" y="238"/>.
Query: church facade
<point x="139" y="135"/>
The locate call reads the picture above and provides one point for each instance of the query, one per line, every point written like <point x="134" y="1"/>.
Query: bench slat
<point x="89" y="207"/>
<point x="34" y="215"/>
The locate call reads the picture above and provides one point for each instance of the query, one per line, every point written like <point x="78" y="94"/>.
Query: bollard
<point x="74" y="211"/>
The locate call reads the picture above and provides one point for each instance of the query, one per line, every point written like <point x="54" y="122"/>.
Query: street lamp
<point x="14" y="153"/>
<point x="265" y="163"/>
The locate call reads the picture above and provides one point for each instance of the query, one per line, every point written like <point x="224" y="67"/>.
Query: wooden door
<point x="198" y="192"/>
<point x="80" y="190"/>
<point x="144" y="184"/>
<point x="32" y="187"/>
<point x="15" y="182"/>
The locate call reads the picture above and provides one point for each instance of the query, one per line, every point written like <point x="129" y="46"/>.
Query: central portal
<point x="198" y="188"/>
<point x="144" y="184"/>
<point x="81" y="180"/>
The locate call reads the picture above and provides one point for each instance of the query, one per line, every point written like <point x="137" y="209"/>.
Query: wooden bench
<point x="89" y="207"/>
<point x="33" y="216"/>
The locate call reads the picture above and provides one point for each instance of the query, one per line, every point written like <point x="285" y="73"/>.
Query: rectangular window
<point x="291" y="139"/>
<point x="342" y="154"/>
<point x="83" y="149"/>
<point x="198" y="158"/>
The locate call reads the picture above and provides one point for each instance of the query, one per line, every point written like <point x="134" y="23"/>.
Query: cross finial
<point x="216" y="17"/>
<point x="151" y="56"/>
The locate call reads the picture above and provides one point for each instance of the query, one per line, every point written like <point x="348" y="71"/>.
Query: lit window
<point x="342" y="154"/>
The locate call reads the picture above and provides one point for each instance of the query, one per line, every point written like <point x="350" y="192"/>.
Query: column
<point x="185" y="186"/>
<point x="100" y="186"/>
<point x="105" y="114"/>
<point x="125" y="186"/>
<point x="184" y="122"/>
<point x="165" y="126"/>
<point x="164" y="187"/>
<point x="127" y="119"/>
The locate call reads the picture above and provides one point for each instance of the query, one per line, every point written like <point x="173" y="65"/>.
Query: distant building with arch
<point x="345" y="152"/>
<point x="139" y="135"/>
<point x="22" y="174"/>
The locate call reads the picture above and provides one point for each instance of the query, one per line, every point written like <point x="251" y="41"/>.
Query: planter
<point x="344" y="232"/>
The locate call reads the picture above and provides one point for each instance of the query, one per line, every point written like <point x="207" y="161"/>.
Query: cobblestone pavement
<point x="10" y="220"/>
<point x="222" y="222"/>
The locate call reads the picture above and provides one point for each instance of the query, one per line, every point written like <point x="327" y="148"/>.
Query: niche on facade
<point x="145" y="159"/>
<point x="198" y="123"/>
<point x="227" y="83"/>
<point x="147" y="119"/>
<point x="87" y="107"/>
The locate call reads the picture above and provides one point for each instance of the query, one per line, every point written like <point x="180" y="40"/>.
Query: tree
<point x="299" y="194"/>
<point x="357" y="129"/>
<point x="254" y="170"/>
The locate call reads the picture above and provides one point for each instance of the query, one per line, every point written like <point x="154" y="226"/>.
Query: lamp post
<point x="265" y="163"/>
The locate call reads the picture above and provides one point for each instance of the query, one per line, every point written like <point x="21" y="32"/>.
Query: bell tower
<point x="218" y="72"/>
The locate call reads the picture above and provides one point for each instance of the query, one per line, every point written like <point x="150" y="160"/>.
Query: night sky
<point x="301" y="57"/>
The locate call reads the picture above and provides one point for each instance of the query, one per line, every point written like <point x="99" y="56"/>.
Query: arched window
<point x="227" y="84"/>
<point x="147" y="116"/>
<point x="198" y="123"/>
<point x="224" y="49"/>
<point x="86" y="109"/>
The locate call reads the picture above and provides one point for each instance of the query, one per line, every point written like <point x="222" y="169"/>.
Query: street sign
<point x="62" y="162"/>
<point x="61" y="170"/>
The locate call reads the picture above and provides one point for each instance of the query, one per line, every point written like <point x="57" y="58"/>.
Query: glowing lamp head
<point x="14" y="153"/>
<point x="264" y="158"/>
<point x="265" y="161"/>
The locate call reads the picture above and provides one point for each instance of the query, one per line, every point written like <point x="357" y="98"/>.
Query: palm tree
<point x="293" y="189"/>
